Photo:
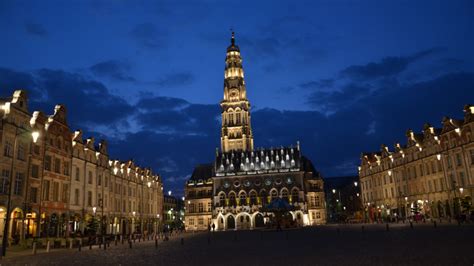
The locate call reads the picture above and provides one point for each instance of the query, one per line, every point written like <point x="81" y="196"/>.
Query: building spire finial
<point x="232" y="40"/>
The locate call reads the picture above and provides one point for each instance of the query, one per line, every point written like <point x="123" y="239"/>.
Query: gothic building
<point x="232" y="191"/>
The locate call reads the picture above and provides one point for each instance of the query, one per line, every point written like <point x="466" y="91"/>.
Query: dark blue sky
<point x="341" y="77"/>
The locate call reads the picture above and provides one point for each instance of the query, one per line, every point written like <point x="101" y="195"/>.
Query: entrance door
<point x="230" y="222"/>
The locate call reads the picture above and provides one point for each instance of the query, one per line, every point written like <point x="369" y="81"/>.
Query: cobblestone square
<point x="324" y="245"/>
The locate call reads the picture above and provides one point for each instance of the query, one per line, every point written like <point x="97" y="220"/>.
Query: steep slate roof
<point x="202" y="172"/>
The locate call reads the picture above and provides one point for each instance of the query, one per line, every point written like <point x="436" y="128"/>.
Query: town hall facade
<point x="233" y="191"/>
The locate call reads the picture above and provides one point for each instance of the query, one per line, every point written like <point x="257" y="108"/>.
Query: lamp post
<point x="10" y="182"/>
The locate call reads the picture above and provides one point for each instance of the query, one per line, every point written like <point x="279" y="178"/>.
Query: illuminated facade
<point x="230" y="192"/>
<point x="430" y="176"/>
<point x="68" y="179"/>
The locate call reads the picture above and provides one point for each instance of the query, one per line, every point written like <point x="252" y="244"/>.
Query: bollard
<point x="411" y="224"/>
<point x="156" y="242"/>
<point x="130" y="243"/>
<point x="182" y="241"/>
<point x="105" y="243"/>
<point x="70" y="244"/>
<point x="388" y="228"/>
<point x="47" y="246"/>
<point x="100" y="245"/>
<point x="80" y="245"/>
<point x="434" y="223"/>
<point x="34" y="248"/>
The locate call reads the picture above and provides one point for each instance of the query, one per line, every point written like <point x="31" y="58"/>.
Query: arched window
<point x="284" y="194"/>
<point x="253" y="197"/>
<point x="295" y="197"/>
<point x="263" y="197"/>
<point x="232" y="201"/>
<point x="242" y="197"/>
<point x="274" y="194"/>
<point x="222" y="199"/>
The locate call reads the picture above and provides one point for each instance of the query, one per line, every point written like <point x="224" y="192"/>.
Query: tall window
<point x="4" y="181"/>
<point x="472" y="156"/>
<point x="34" y="171"/>
<point x="242" y="197"/>
<point x="76" y="196"/>
<point x="78" y="172"/>
<point x="46" y="184"/>
<point x="99" y="180"/>
<point x="8" y="149"/>
<point x="21" y="151"/>
<point x="90" y="178"/>
<point x="295" y="195"/>
<point x="200" y="207"/>
<point x="65" y="193"/>
<point x="209" y="206"/>
<point x="34" y="195"/>
<point x="253" y="198"/>
<point x="89" y="198"/>
<point x="284" y="194"/>
<point x="55" y="191"/>
<point x="57" y="165"/>
<point x="66" y="168"/>
<point x="232" y="199"/>
<point x="222" y="200"/>
<point x="18" y="189"/>
<point x="316" y="201"/>
<point x="458" y="159"/>
<point x="47" y="163"/>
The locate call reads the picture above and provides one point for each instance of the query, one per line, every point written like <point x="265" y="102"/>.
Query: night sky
<point x="342" y="77"/>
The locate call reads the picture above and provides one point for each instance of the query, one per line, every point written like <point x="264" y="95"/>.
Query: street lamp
<point x="35" y="135"/>
<point x="355" y="183"/>
<point x="333" y="191"/>
<point x="169" y="193"/>
<point x="461" y="190"/>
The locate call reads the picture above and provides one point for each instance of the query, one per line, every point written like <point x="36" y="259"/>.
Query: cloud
<point x="88" y="102"/>
<point x="36" y="29"/>
<point x="318" y="84"/>
<point x="113" y="69"/>
<point x="148" y="35"/>
<point x="387" y="67"/>
<point x="175" y="80"/>
<point x="160" y="103"/>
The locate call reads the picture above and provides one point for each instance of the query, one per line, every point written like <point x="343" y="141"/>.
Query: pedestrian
<point x="213" y="227"/>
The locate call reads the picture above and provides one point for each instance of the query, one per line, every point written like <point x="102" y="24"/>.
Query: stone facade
<point x="430" y="176"/>
<point x="231" y="192"/>
<point x="67" y="179"/>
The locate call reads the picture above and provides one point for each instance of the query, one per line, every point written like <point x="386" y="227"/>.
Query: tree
<point x="92" y="226"/>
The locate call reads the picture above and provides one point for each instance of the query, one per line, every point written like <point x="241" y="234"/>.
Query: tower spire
<point x="236" y="132"/>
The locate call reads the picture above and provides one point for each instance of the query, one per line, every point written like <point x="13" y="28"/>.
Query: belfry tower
<point x="236" y="132"/>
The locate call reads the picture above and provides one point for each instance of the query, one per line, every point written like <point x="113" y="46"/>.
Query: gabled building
<point x="431" y="176"/>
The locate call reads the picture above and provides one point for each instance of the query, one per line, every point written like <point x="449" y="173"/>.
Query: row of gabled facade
<point x="63" y="183"/>
<point x="432" y="176"/>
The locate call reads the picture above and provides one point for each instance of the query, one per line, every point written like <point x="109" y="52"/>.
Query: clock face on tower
<point x="234" y="94"/>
